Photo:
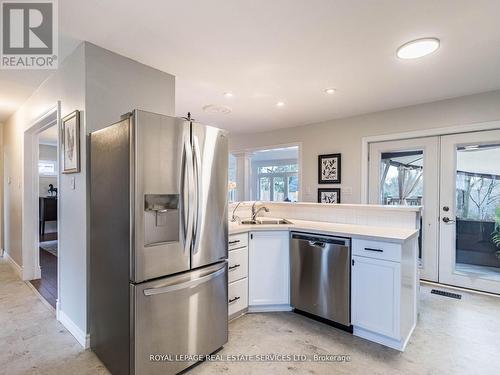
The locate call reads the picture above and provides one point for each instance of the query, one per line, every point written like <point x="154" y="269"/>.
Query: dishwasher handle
<point x="320" y="240"/>
<point x="317" y="244"/>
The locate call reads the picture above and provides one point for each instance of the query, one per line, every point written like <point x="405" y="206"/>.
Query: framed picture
<point x="331" y="195"/>
<point x="71" y="143"/>
<point x="329" y="169"/>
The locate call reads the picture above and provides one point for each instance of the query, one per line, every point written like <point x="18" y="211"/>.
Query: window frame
<point x="256" y="176"/>
<point x="53" y="162"/>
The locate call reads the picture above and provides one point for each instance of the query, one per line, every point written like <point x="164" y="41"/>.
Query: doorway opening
<point x="48" y="169"/>
<point x="456" y="178"/>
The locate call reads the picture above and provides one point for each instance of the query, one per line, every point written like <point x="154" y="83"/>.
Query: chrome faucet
<point x="235" y="218"/>
<point x="255" y="212"/>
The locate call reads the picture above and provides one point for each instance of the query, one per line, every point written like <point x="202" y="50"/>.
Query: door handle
<point x="372" y="249"/>
<point x="198" y="191"/>
<point x="447" y="220"/>
<point x="184" y="285"/>
<point x="187" y="208"/>
<point x="234" y="299"/>
<point x="234" y="267"/>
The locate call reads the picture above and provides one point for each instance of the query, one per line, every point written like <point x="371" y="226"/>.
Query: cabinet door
<point x="375" y="293"/>
<point x="268" y="269"/>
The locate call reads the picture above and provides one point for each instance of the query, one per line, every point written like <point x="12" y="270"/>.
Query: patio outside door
<point x="470" y="211"/>
<point x="406" y="172"/>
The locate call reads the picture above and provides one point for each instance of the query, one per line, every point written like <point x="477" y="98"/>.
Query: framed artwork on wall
<point x="329" y="169"/>
<point x="71" y="142"/>
<point x="329" y="195"/>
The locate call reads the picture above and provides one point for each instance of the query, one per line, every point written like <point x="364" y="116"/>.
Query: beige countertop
<point x="345" y="230"/>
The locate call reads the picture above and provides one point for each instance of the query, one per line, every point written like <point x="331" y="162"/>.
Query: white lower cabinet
<point x="375" y="295"/>
<point x="269" y="271"/>
<point x="384" y="291"/>
<point x="237" y="297"/>
<point x="238" y="275"/>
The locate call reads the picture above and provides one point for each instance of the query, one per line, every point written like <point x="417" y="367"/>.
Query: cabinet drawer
<point x="238" y="240"/>
<point x="237" y="296"/>
<point x="238" y="264"/>
<point x="377" y="249"/>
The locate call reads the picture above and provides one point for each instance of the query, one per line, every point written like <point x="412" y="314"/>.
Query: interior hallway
<point x="453" y="337"/>
<point x="32" y="341"/>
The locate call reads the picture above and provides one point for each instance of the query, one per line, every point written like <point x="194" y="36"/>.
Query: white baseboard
<point x="16" y="267"/>
<point x="80" y="336"/>
<point x="269" y="308"/>
<point x="382" y="339"/>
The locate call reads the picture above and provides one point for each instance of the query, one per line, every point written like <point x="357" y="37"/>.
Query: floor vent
<point x="446" y="294"/>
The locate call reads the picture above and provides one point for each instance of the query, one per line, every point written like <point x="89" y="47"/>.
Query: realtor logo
<point x="29" y="34"/>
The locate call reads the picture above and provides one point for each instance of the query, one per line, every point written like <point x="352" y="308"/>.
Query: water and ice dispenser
<point x="161" y="218"/>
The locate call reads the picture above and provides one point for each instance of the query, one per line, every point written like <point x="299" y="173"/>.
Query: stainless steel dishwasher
<point x="320" y="276"/>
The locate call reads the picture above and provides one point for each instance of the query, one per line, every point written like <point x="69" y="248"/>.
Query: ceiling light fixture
<point x="418" y="48"/>
<point x="228" y="94"/>
<point x="330" y="91"/>
<point x="280" y="104"/>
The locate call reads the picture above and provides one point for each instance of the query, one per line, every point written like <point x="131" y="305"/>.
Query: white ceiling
<point x="266" y="51"/>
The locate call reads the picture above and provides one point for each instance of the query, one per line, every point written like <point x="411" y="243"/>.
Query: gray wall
<point x="66" y="84"/>
<point x="103" y="86"/>
<point x="345" y="135"/>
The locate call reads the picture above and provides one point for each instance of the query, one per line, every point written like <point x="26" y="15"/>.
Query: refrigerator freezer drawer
<point x="179" y="315"/>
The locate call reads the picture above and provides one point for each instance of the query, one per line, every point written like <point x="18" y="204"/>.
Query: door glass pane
<point x="402" y="181"/>
<point x="279" y="189"/>
<point x="265" y="189"/>
<point x="478" y="210"/>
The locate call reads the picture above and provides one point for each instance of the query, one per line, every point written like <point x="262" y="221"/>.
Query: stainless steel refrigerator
<point x="158" y="249"/>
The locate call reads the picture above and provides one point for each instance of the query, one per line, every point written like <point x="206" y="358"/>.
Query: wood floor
<point x="47" y="284"/>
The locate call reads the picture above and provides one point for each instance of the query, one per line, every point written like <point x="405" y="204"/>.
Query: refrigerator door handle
<point x="187" y="168"/>
<point x="184" y="285"/>
<point x="198" y="192"/>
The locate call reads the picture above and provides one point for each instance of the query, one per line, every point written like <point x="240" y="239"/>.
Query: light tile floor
<point x="452" y="337"/>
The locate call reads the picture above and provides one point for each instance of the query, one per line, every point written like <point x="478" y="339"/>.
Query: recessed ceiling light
<point x="330" y="91"/>
<point x="418" y="48"/>
<point x="280" y="104"/>
<point x="228" y="94"/>
<point x="215" y="108"/>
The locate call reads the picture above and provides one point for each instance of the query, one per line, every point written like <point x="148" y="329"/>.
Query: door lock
<point x="446" y="208"/>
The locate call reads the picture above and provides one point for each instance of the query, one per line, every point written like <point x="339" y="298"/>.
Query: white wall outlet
<point x="9" y="180"/>
<point x="72" y="183"/>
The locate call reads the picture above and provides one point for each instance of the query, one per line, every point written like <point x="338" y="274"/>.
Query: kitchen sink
<point x="265" y="220"/>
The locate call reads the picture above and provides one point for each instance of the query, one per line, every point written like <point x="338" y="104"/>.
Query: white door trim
<point x="365" y="141"/>
<point x="430" y="213"/>
<point x="30" y="191"/>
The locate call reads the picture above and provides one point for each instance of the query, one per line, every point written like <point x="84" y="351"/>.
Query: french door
<point x="456" y="178"/>
<point x="470" y="211"/>
<point x="406" y="172"/>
